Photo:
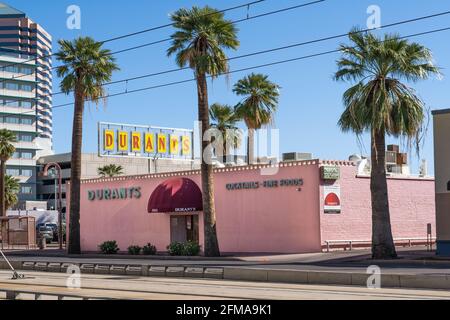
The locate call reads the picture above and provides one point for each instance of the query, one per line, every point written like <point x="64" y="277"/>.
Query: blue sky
<point x="310" y="103"/>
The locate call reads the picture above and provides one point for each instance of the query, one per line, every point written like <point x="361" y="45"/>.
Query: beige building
<point x="25" y="96"/>
<point x="90" y="162"/>
<point x="441" y="123"/>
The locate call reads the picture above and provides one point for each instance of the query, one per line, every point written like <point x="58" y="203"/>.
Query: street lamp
<point x="45" y="173"/>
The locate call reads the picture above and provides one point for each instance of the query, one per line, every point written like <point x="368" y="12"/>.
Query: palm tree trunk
<point x="251" y="146"/>
<point x="77" y="138"/>
<point x="382" y="241"/>
<point x="225" y="148"/>
<point x="2" y="189"/>
<point x="209" y="212"/>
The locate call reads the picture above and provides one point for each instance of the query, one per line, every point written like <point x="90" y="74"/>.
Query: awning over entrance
<point x="176" y="196"/>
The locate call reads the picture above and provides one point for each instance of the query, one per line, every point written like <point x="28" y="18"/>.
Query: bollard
<point x="42" y="244"/>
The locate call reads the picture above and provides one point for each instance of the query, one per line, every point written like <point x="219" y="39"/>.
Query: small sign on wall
<point x="330" y="173"/>
<point x="332" y="199"/>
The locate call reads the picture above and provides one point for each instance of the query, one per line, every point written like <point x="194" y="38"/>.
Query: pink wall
<point x="264" y="220"/>
<point x="279" y="219"/>
<point x="411" y="202"/>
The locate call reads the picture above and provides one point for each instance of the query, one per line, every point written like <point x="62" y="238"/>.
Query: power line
<point x="276" y="49"/>
<point x="239" y="70"/>
<point x="232" y="22"/>
<point x="248" y="4"/>
<point x="265" y="51"/>
<point x="171" y="24"/>
<point x="249" y="68"/>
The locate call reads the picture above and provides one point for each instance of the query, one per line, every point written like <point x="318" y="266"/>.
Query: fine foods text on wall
<point x="126" y="140"/>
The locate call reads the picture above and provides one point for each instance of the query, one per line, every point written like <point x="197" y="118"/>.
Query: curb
<point x="410" y="281"/>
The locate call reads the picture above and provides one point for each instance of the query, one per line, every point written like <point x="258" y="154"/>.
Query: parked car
<point x="55" y="230"/>
<point x="46" y="233"/>
<point x="53" y="226"/>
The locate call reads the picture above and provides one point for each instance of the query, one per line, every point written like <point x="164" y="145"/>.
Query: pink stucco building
<point x="292" y="207"/>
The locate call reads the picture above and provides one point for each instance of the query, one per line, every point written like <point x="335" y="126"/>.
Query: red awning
<point x="176" y="195"/>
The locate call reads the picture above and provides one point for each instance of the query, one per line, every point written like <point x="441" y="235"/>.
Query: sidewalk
<point x="414" y="268"/>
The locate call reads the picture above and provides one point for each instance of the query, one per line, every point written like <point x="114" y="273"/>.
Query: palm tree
<point x="12" y="188"/>
<point x="201" y="37"/>
<point x="110" y="171"/>
<point x="258" y="106"/>
<point x="380" y="104"/>
<point x="225" y="119"/>
<point x="86" y="67"/>
<point x="7" y="138"/>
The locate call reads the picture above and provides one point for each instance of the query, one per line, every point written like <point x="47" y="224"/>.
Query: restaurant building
<point x="289" y="207"/>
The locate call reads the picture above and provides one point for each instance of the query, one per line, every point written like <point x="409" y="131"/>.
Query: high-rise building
<point x="25" y="94"/>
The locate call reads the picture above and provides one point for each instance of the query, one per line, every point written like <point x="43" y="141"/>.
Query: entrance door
<point x="192" y="228"/>
<point x="184" y="228"/>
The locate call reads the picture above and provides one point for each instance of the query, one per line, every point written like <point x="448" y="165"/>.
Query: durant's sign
<point x="125" y="140"/>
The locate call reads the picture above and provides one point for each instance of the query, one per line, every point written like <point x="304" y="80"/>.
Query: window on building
<point x="26" y="190"/>
<point x="13" y="172"/>
<point x="27" y="173"/>
<point x="27" y="155"/>
<point x="26" y="138"/>
<point x="26" y="87"/>
<point x="11" y="86"/>
<point x="26" y="104"/>
<point x="26" y="70"/>
<point x="12" y="120"/>
<point x="26" y="121"/>
<point x="12" y="69"/>
<point x="15" y="155"/>
<point x="10" y="103"/>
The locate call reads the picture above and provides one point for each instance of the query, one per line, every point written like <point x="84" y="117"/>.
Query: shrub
<point x="109" y="247"/>
<point x="134" y="250"/>
<point x="175" y="248"/>
<point x="189" y="248"/>
<point x="149" y="249"/>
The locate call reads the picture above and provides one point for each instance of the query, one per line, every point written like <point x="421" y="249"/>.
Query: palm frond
<point x="260" y="100"/>
<point x="379" y="101"/>
<point x="200" y="40"/>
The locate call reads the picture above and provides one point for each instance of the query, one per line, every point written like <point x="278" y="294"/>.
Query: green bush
<point x="149" y="250"/>
<point x="189" y="248"/>
<point x="175" y="248"/>
<point x="109" y="247"/>
<point x="134" y="250"/>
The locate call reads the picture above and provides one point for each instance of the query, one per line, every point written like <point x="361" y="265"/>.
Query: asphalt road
<point x="146" y="288"/>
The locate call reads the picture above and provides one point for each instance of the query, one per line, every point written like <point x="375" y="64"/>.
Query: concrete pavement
<point x="126" y="287"/>
<point x="415" y="269"/>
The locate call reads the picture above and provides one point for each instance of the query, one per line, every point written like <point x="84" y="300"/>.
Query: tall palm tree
<point x="380" y="104"/>
<point x="110" y="171"/>
<point x="7" y="138"/>
<point x="201" y="37"/>
<point x="225" y="119"/>
<point x="86" y="67"/>
<point x="260" y="101"/>
<point x="12" y="188"/>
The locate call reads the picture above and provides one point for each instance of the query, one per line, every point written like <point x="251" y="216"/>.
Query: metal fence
<point x="18" y="232"/>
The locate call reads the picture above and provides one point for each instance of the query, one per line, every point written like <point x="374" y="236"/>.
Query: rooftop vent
<point x="296" y="156"/>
